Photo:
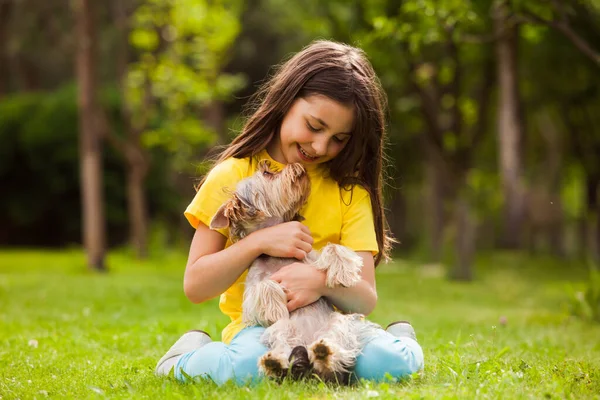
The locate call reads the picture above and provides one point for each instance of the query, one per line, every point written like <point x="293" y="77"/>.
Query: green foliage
<point x="183" y="46"/>
<point x="39" y="168"/>
<point x="189" y="53"/>
<point x="484" y="191"/>
<point x="422" y="23"/>
<point x="39" y="180"/>
<point x="504" y="336"/>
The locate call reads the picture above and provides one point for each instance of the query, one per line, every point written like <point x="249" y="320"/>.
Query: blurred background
<point x="110" y="111"/>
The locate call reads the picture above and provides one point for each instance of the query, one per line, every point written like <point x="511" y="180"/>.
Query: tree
<point x="174" y="75"/>
<point x="570" y="27"/>
<point x="6" y="9"/>
<point x="430" y="38"/>
<point x="509" y="122"/>
<point x="559" y="20"/>
<point x="93" y="223"/>
<point x="136" y="157"/>
<point x="416" y="47"/>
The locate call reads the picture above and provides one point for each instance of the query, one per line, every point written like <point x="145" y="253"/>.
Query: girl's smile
<point x="305" y="156"/>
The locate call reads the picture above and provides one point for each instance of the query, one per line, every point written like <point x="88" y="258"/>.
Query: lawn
<point x="69" y="333"/>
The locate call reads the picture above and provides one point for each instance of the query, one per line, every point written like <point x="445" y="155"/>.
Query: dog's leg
<point x="334" y="354"/>
<point x="264" y="304"/>
<point x="279" y="339"/>
<point x="342" y="265"/>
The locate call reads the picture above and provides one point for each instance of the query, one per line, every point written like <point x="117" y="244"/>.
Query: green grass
<point x="69" y="333"/>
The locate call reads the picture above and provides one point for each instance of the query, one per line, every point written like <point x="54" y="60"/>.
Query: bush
<point x="39" y="171"/>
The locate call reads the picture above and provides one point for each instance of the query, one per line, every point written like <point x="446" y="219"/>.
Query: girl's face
<point x="314" y="131"/>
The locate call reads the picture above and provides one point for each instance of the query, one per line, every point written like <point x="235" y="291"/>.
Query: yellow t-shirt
<point x="332" y="215"/>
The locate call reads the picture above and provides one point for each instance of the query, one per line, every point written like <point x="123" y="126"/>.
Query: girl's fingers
<point x="292" y="304"/>
<point x="300" y="254"/>
<point x="306" y="238"/>
<point x="306" y="247"/>
<point x="305" y="229"/>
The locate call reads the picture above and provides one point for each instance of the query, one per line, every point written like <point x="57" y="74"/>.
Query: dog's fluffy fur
<point x="314" y="338"/>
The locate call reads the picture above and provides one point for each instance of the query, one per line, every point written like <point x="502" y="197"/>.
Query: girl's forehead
<point x="330" y="114"/>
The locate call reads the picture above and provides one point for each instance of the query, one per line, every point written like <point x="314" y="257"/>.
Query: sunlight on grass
<point x="71" y="333"/>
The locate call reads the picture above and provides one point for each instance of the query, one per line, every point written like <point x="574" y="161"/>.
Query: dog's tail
<point x="300" y="365"/>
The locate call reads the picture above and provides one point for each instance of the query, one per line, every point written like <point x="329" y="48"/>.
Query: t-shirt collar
<point x="277" y="166"/>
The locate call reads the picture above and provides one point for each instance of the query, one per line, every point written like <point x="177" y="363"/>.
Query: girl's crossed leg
<point x="385" y="355"/>
<point x="221" y="362"/>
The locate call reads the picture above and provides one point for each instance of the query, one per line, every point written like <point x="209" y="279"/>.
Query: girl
<point x="324" y="108"/>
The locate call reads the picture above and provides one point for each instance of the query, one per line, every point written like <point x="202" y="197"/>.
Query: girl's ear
<point x="220" y="220"/>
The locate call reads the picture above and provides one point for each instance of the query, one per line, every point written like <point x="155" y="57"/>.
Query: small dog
<point x="313" y="338"/>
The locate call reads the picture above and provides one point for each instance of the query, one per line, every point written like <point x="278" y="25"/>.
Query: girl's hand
<point x="302" y="283"/>
<point x="288" y="240"/>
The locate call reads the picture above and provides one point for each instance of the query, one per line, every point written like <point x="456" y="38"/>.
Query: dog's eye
<point x="267" y="173"/>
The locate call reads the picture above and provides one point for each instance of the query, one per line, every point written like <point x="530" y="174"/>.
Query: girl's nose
<point x="319" y="147"/>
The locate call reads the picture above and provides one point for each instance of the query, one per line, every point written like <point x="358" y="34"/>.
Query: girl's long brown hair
<point x="344" y="74"/>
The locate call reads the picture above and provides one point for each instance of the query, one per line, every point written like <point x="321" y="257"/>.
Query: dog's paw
<point x="320" y="355"/>
<point x="343" y="266"/>
<point x="330" y="362"/>
<point x="347" y="276"/>
<point x="274" y="365"/>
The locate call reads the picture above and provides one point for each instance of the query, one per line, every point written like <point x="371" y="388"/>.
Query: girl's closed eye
<point x="312" y="128"/>
<point x="337" y="139"/>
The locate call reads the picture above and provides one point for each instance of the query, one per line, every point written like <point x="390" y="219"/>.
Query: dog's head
<point x="264" y="199"/>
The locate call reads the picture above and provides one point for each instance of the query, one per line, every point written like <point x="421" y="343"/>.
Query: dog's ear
<point x="264" y="166"/>
<point x="298" y="218"/>
<point x="221" y="219"/>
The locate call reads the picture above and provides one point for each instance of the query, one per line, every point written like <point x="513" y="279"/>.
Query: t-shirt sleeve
<point x="216" y="190"/>
<point x="358" y="228"/>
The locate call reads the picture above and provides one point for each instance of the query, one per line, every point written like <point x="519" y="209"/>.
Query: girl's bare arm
<point x="361" y="298"/>
<point x="211" y="269"/>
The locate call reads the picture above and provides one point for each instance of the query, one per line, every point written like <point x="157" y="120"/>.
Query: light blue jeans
<point x="384" y="356"/>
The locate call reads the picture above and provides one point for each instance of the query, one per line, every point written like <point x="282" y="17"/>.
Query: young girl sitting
<point x="324" y="108"/>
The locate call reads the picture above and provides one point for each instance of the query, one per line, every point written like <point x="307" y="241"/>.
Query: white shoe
<point x="190" y="341"/>
<point x="402" y="329"/>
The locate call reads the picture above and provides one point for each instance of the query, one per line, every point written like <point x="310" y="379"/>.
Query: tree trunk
<point x="582" y="235"/>
<point x="214" y="117"/>
<point x="5" y="13"/>
<point x="184" y="184"/>
<point x="137" y="208"/>
<point x="133" y="151"/>
<point x="435" y="193"/>
<point x="551" y="180"/>
<point x="90" y="146"/>
<point x="397" y="217"/>
<point x="465" y="240"/>
<point x="28" y="73"/>
<point x="593" y="217"/>
<point x="509" y="127"/>
<point x="596" y="241"/>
